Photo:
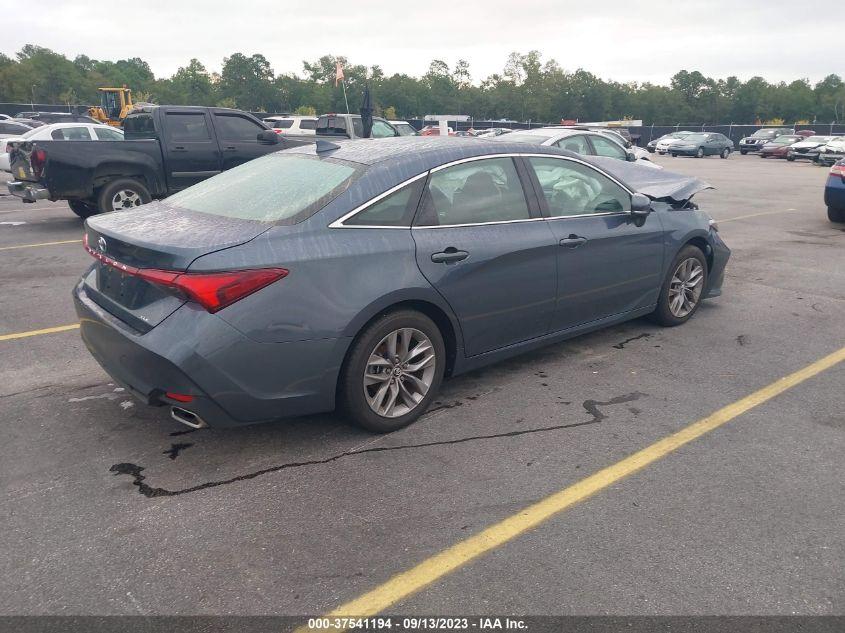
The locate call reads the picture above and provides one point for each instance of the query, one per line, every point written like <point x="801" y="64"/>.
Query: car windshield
<point x="817" y="139"/>
<point x="763" y="134"/>
<point x="786" y="140"/>
<point x="695" y="137"/>
<point x="269" y="189"/>
<point x="537" y="139"/>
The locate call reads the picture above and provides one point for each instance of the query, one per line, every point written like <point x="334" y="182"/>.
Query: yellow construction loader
<point x="115" y="104"/>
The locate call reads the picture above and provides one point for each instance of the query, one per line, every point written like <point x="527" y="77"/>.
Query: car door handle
<point x="178" y="148"/>
<point x="230" y="148"/>
<point x="573" y="241"/>
<point x="449" y="256"/>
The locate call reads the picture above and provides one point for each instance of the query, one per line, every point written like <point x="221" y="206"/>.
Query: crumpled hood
<point x="657" y="184"/>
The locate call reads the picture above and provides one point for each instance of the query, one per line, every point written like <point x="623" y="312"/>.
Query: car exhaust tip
<point x="188" y="418"/>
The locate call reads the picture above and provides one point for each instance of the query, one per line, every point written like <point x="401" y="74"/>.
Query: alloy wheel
<point x="399" y="372"/>
<point x="685" y="287"/>
<point x="125" y="199"/>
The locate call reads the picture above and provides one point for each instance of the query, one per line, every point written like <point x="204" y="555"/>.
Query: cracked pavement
<point x="113" y="509"/>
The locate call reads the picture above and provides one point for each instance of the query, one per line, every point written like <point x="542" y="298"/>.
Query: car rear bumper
<point x="233" y="380"/>
<point x="27" y="191"/>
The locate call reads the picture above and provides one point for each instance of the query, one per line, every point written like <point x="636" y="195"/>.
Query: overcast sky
<point x="633" y="40"/>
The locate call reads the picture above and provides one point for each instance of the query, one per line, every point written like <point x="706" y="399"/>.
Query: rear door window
<point x="307" y="124"/>
<point x="187" y="126"/>
<point x="106" y="134"/>
<point x="331" y="125"/>
<point x="577" y="144"/>
<point x="71" y="134"/>
<point x="479" y="191"/>
<point x="395" y="209"/>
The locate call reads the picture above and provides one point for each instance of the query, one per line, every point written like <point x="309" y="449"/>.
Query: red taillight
<point x="213" y="291"/>
<point x="838" y="170"/>
<point x="38" y="159"/>
<point x="179" y="397"/>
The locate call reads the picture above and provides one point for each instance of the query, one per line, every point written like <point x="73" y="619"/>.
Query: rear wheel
<point x="683" y="287"/>
<point x="82" y="209"/>
<point x="122" y="195"/>
<point x="393" y="371"/>
<point x="835" y="215"/>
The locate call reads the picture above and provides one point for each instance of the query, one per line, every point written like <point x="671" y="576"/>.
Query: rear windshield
<point x="308" y="124"/>
<point x="283" y="124"/>
<point x="139" y="126"/>
<point x="275" y="188"/>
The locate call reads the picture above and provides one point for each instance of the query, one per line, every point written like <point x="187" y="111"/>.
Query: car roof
<point x="421" y="153"/>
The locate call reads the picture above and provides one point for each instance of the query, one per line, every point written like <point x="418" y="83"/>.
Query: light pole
<point x="32" y="103"/>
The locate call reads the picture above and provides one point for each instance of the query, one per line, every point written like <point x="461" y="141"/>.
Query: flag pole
<point x="343" y="83"/>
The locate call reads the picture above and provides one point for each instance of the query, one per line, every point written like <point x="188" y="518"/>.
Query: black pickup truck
<point x="165" y="149"/>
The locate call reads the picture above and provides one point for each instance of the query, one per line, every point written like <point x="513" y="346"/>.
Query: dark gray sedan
<point x="358" y="275"/>
<point x="703" y="144"/>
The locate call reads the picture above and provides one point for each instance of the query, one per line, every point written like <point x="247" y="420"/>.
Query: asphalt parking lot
<point x="109" y="507"/>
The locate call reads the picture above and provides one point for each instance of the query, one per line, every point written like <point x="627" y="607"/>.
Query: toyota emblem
<point x="102" y="244"/>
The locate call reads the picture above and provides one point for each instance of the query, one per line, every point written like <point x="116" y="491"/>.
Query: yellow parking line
<point x="49" y="330"/>
<point x="755" y="215"/>
<point x="10" y="248"/>
<point x="432" y="569"/>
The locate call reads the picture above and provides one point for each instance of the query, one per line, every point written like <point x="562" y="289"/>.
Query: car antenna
<point x="326" y="146"/>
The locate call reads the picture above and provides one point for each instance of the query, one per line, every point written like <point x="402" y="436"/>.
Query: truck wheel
<point x="82" y="209"/>
<point x="122" y="195"/>
<point x="835" y="215"/>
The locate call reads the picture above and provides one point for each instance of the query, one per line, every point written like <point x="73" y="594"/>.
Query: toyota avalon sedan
<point x="357" y="275"/>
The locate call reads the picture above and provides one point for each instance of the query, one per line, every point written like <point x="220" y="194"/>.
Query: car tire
<point x="674" y="155"/>
<point x="700" y="153"/>
<point x="671" y="311"/>
<point x="743" y="151"/>
<point x="122" y="195"/>
<point x="725" y="153"/>
<point x="361" y="379"/>
<point x="82" y="209"/>
<point x="835" y="215"/>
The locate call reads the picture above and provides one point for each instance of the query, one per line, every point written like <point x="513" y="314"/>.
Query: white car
<point x="293" y="124"/>
<point x="404" y="128"/>
<point x="584" y="142"/>
<point x="832" y="151"/>
<point x="663" y="145"/>
<point x="60" y="132"/>
<point x="808" y="148"/>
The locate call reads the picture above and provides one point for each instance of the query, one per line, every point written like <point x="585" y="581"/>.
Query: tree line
<point x="528" y="88"/>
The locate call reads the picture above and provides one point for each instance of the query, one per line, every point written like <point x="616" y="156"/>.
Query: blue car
<point x="357" y="275"/>
<point x="834" y="192"/>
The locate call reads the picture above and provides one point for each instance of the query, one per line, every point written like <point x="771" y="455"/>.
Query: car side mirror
<point x="268" y="137"/>
<point x="640" y="205"/>
<point x="630" y="157"/>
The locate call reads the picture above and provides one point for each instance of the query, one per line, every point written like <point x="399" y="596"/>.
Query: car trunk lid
<point x="132" y="249"/>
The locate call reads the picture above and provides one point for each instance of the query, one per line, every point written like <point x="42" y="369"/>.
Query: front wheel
<point x="682" y="289"/>
<point x="700" y="153"/>
<point x="743" y="152"/>
<point x="122" y="195"/>
<point x="393" y="371"/>
<point x="725" y="153"/>
<point x="82" y="209"/>
<point x="835" y="215"/>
